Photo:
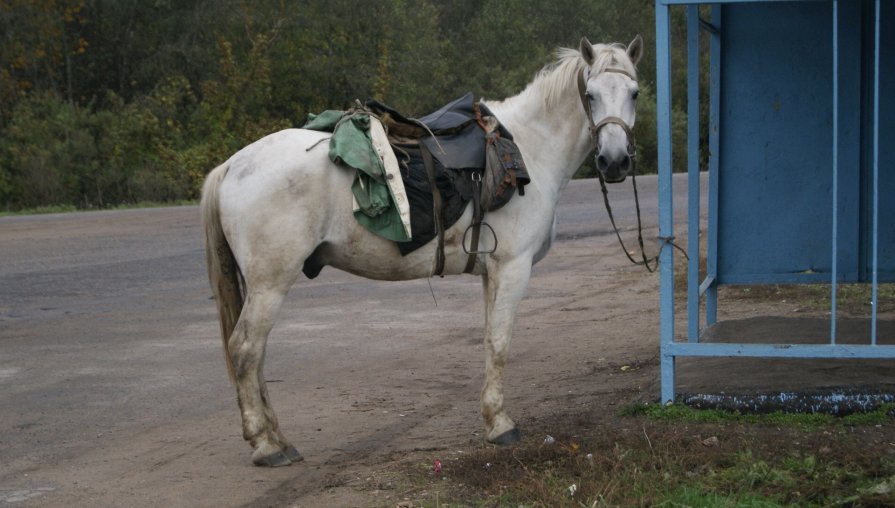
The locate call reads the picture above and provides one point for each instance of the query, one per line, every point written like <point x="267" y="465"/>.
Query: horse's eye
<point x="589" y="96"/>
<point x="635" y="94"/>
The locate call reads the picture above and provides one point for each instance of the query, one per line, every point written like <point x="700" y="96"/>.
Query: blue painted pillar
<point x="666" y="212"/>
<point x="693" y="173"/>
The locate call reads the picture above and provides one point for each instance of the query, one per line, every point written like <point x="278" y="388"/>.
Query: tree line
<point x="108" y="102"/>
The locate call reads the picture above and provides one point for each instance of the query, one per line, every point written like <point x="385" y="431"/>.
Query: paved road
<point x="107" y="330"/>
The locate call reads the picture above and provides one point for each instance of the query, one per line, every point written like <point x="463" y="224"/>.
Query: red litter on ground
<point x="437" y="466"/>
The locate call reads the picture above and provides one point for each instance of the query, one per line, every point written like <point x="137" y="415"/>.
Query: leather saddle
<point x="455" y="145"/>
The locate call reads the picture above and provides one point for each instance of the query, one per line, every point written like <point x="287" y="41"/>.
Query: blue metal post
<point x="666" y="225"/>
<point x="711" y="289"/>
<point x="835" y="207"/>
<point x="693" y="173"/>
<point x="875" y="282"/>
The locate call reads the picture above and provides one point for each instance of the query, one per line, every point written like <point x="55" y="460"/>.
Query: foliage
<point x="106" y="102"/>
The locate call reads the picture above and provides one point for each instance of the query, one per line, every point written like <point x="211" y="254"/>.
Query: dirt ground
<point x="115" y="394"/>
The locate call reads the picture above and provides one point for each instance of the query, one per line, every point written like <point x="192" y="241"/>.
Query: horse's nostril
<point x="602" y="163"/>
<point x="626" y="163"/>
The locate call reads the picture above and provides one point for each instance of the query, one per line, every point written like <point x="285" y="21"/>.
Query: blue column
<point x="875" y="268"/>
<point x="711" y="291"/>
<point x="666" y="224"/>
<point x="693" y="173"/>
<point x="835" y="207"/>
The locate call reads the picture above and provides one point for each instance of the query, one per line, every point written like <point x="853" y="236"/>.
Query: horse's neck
<point x="554" y="139"/>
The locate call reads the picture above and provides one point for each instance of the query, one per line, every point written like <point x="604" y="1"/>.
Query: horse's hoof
<point x="292" y="454"/>
<point x="275" y="459"/>
<point x="509" y="437"/>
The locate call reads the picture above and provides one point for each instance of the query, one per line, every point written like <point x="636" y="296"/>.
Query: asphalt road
<point x="107" y="330"/>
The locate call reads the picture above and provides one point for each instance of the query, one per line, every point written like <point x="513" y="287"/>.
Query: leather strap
<point x="436" y="209"/>
<point x="646" y="261"/>
<point x="595" y="128"/>
<point x="477" y="212"/>
<point x="476" y="225"/>
<point x="632" y="144"/>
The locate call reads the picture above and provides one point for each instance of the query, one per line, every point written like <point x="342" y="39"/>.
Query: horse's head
<point x="608" y="89"/>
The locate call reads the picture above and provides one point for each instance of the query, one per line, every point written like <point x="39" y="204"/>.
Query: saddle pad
<point x="393" y="179"/>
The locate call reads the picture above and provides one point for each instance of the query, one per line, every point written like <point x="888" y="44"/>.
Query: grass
<point x="804" y="421"/>
<point x="675" y="457"/>
<point x="40" y="210"/>
<point x="43" y="210"/>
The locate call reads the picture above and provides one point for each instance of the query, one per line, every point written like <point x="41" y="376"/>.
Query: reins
<point x="651" y="264"/>
<point x="645" y="262"/>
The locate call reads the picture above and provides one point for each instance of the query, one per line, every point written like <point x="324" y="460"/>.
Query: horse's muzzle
<point x="614" y="169"/>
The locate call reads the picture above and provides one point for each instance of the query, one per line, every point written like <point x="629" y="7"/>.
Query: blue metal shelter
<point x="801" y="164"/>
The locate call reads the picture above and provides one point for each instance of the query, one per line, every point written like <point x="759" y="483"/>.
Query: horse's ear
<point x="587" y="51"/>
<point x="635" y="49"/>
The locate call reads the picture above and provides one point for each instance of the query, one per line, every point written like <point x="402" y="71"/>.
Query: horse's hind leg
<point x="246" y="348"/>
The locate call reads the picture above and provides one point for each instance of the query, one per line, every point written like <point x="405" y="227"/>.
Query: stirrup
<point x="476" y="228"/>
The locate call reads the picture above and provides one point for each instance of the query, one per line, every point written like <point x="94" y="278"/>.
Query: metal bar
<point x="693" y="173"/>
<point x="704" y="349"/>
<point x="835" y="208"/>
<point x="666" y="224"/>
<point x="708" y="282"/>
<point x="711" y="292"/>
<point x="875" y="281"/>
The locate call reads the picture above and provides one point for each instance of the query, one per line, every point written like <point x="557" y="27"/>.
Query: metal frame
<point x="670" y="349"/>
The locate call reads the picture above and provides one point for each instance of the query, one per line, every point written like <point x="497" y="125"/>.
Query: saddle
<point x="455" y="155"/>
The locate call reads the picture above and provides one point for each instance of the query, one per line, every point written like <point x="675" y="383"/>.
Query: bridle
<point x="595" y="127"/>
<point x="595" y="135"/>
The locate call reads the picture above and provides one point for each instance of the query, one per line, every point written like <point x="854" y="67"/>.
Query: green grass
<point x="42" y="210"/>
<point x="805" y="421"/>
<point x="675" y="456"/>
<point x="667" y="478"/>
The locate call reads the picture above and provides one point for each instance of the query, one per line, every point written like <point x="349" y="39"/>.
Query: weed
<point x="803" y="421"/>
<point x="660" y="456"/>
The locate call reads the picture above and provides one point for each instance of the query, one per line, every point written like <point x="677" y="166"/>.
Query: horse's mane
<point x="555" y="78"/>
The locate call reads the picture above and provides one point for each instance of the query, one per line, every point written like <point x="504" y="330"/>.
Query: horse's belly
<point x="354" y="249"/>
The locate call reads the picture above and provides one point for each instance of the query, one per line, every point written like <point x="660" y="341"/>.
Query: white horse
<point x="279" y="206"/>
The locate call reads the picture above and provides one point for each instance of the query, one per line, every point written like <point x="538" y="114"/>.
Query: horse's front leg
<point x="504" y="285"/>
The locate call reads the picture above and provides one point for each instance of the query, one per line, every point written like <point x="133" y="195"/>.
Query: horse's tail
<point x="223" y="270"/>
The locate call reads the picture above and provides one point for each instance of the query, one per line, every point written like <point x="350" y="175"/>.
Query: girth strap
<point x="436" y="209"/>
<point x="476" y="225"/>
